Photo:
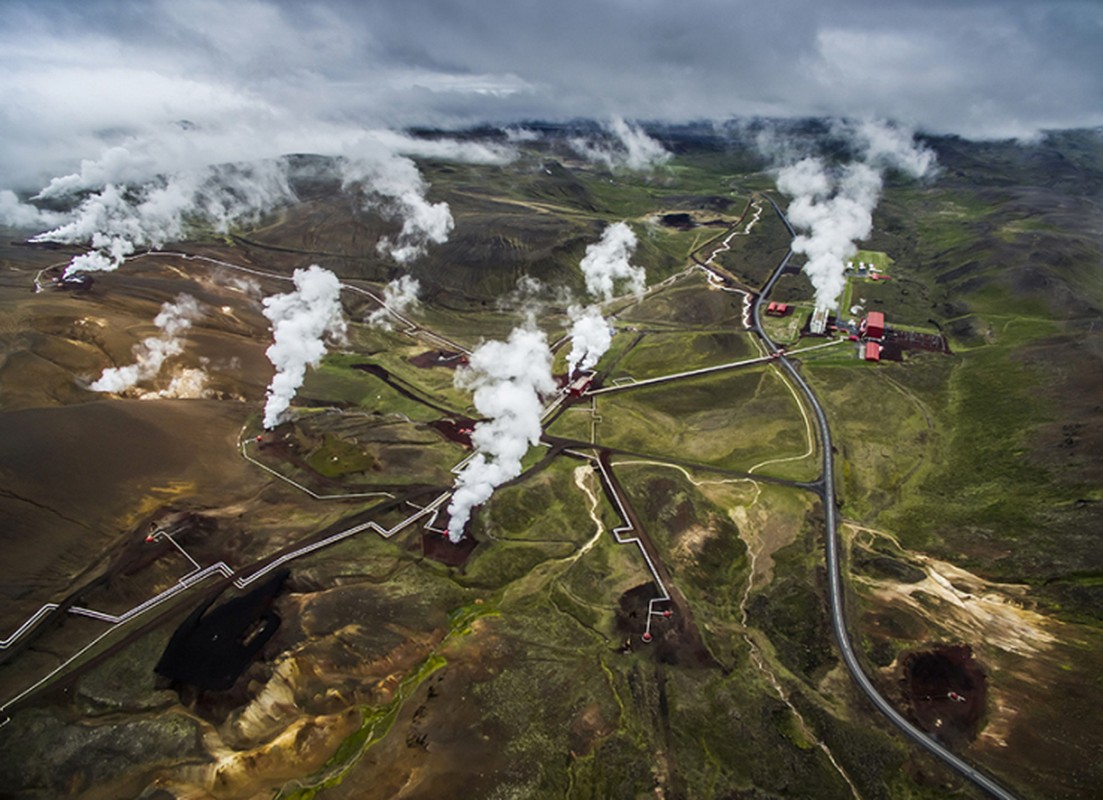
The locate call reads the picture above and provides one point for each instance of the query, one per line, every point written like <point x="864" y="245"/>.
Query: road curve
<point x="834" y="568"/>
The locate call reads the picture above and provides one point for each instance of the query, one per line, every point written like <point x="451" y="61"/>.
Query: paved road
<point x="693" y="373"/>
<point x="834" y="570"/>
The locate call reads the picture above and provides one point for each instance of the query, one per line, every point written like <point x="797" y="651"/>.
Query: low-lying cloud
<point x="627" y="146"/>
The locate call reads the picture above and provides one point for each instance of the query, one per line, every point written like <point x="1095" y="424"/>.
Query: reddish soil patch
<point x="449" y="359"/>
<point x="674" y="639"/>
<point x="438" y="547"/>
<point x="945" y="689"/>
<point x="912" y="340"/>
<point x="455" y="430"/>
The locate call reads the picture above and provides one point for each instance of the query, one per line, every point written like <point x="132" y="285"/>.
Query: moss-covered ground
<point x="969" y="484"/>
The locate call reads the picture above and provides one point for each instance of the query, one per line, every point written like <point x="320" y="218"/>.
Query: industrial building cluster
<point x="873" y="329"/>
<point x="868" y="331"/>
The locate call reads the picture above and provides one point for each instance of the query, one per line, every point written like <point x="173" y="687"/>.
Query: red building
<point x="777" y="309"/>
<point x="873" y="351"/>
<point x="580" y="384"/>
<point x="874" y="326"/>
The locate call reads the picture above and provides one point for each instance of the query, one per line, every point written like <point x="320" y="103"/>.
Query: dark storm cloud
<point x="78" y="77"/>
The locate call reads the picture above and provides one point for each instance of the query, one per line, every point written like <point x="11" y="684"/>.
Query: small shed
<point x="873" y="351"/>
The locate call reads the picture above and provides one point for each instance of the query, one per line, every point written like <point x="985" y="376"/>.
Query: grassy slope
<point x="1005" y="268"/>
<point x="984" y="458"/>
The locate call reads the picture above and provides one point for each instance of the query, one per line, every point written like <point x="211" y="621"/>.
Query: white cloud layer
<point x="180" y="84"/>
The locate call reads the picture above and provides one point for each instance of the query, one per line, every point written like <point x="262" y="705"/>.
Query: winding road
<point x="834" y="569"/>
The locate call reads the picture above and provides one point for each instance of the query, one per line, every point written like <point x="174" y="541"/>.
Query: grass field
<point x="730" y="420"/>
<point x="659" y="354"/>
<point x="690" y="304"/>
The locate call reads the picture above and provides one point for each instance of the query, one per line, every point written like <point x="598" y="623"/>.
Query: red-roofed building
<point x="777" y="309"/>
<point x="873" y="351"/>
<point x="875" y="325"/>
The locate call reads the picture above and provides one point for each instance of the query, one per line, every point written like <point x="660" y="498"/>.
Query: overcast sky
<point x="76" y="77"/>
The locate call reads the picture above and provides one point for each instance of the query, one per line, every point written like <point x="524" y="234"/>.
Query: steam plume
<point x="835" y="210"/>
<point x="630" y="148"/>
<point x="833" y="207"/>
<point x="151" y="353"/>
<point x="606" y="263"/>
<point x="640" y="150"/>
<point x="188" y="383"/>
<point x="888" y="146"/>
<point x="591" y="336"/>
<point x="117" y="220"/>
<point x="509" y="379"/>
<point x="399" y="296"/>
<point x="301" y="320"/>
<point x="18" y="214"/>
<point x="394" y="185"/>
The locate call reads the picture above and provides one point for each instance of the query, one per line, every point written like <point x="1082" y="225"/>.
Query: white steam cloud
<point x="510" y="379"/>
<point x="888" y="146"/>
<point x="833" y="206"/>
<point x="301" y="322"/>
<point x="17" y="214"/>
<point x="150" y="191"/>
<point x="835" y="209"/>
<point x="394" y="186"/>
<point x="630" y="148"/>
<point x="399" y="296"/>
<point x="607" y="262"/>
<point x="116" y="220"/>
<point x="590" y="335"/>
<point x="151" y="353"/>
<point x="188" y="383"/>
